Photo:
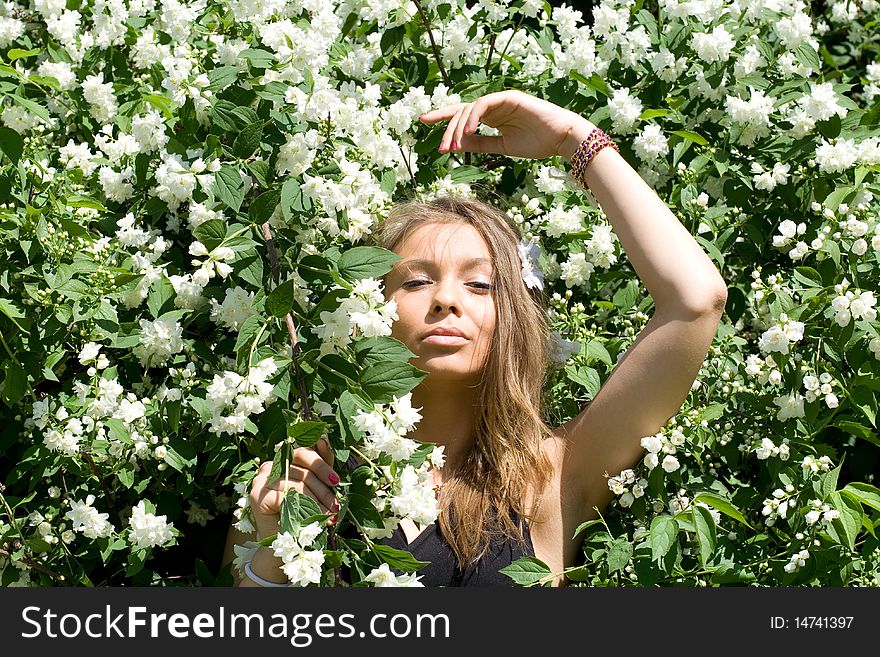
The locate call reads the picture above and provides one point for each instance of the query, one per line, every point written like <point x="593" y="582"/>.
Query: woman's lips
<point x="448" y="340"/>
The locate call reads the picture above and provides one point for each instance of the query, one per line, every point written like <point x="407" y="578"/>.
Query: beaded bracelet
<point x="259" y="580"/>
<point x="587" y="150"/>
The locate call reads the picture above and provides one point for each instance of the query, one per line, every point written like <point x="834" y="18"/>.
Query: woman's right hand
<point x="311" y="473"/>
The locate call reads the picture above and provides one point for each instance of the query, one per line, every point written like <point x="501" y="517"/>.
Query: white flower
<point x="148" y="529"/>
<point x="87" y="520"/>
<point x="670" y="463"/>
<point x="382" y="576"/>
<point x="531" y="273"/>
<point x="89" y="352"/>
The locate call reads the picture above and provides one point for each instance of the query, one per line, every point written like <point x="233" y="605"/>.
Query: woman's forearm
<point x="676" y="271"/>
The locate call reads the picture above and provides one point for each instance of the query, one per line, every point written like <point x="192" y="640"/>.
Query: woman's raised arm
<point x="650" y="383"/>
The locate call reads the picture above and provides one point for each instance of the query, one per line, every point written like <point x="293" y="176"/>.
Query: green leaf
<point x="248" y="140"/>
<point x="296" y="510"/>
<point x="221" y="77"/>
<point x="829" y="480"/>
<point x="161" y="294"/>
<point x="619" y="554"/>
<point x="15" y="383"/>
<point x="13" y="312"/>
<point x="210" y="233"/>
<point x="280" y="300"/>
<point x="247" y="332"/>
<point x="118" y="429"/>
<point x="257" y="57"/>
<point x="33" y="107"/>
<point x="229" y="187"/>
<point x="865" y="493"/>
<point x="847" y="524"/>
<point x="691" y="136"/>
<point x="18" y="53"/>
<point x="808" y="57"/>
<point x="262" y="207"/>
<point x="856" y="429"/>
<point x="467" y="173"/>
<point x="366" y="262"/>
<point x="384" y="380"/>
<point x="399" y="559"/>
<point x="370" y="351"/>
<point x="719" y="503"/>
<point x="11" y="143"/>
<point x="704" y="524"/>
<point x="661" y="538"/>
<point x="306" y="434"/>
<point x="293" y="201"/>
<point x="526" y="571"/>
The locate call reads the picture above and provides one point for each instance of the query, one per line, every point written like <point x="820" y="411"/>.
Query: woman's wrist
<point x="579" y="130"/>
<point x="266" y="565"/>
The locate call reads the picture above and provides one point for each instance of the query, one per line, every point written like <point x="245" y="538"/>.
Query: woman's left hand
<point x="530" y="127"/>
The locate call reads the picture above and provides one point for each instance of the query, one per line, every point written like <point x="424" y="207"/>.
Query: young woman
<point x="512" y="486"/>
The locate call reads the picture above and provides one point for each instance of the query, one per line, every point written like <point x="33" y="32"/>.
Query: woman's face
<point x="444" y="281"/>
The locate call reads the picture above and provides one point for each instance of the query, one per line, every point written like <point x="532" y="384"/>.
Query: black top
<point x="444" y="571"/>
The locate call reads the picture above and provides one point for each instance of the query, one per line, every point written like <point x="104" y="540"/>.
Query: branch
<point x="433" y="45"/>
<point x="288" y="321"/>
<point x="35" y="565"/>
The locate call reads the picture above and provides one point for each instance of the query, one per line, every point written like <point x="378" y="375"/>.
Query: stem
<point x="491" y="50"/>
<point x="412" y="178"/>
<point x="37" y="566"/>
<point x="288" y="321"/>
<point x="433" y="45"/>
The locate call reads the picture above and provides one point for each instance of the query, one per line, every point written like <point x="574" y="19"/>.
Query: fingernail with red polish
<point x="334" y="478"/>
<point x="332" y="520"/>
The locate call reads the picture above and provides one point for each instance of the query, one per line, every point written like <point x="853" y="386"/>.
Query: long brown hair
<point x="507" y="459"/>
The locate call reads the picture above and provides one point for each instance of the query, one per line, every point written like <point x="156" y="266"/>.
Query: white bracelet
<point x="259" y="580"/>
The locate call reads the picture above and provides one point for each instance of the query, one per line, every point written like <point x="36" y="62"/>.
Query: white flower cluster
<point x="382" y="576"/>
<point x="216" y="263"/>
<point x="240" y="396"/>
<point x="651" y="143"/>
<point x="302" y="566"/>
<point x="618" y="485"/>
<point x="821" y="511"/>
<point x="624" y="110"/>
<point x="237" y="306"/>
<point x="778" y="505"/>
<point x="813" y="465"/>
<point x="821" y="385"/>
<point x="753" y="114"/>
<point x="779" y="336"/>
<point x="160" y="340"/>
<point x="412" y="496"/>
<point x="150" y="246"/>
<point x="365" y="310"/>
<point x="148" y="529"/>
<point x="798" y="560"/>
<point x="661" y="444"/>
<point x="767" y="448"/>
<point x="385" y="429"/>
<point x="768" y="180"/>
<point x="87" y="520"/>
<point x="859" y="305"/>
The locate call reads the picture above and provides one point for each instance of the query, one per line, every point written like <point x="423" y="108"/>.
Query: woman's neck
<point x="448" y="416"/>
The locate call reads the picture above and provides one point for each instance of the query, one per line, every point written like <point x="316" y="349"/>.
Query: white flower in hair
<point x="531" y="273"/>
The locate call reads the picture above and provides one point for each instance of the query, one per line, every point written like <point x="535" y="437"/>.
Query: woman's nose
<point x="445" y="298"/>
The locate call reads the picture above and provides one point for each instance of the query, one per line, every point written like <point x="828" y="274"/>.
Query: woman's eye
<point x="412" y="284"/>
<point x="482" y="286"/>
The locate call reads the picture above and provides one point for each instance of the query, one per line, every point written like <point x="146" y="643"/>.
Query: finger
<point x="440" y="114"/>
<point x="461" y="127"/>
<point x="446" y="142"/>
<point x="323" y="448"/>
<point x="260" y="479"/>
<point x="312" y="460"/>
<point x="305" y="481"/>
<point x="484" y="144"/>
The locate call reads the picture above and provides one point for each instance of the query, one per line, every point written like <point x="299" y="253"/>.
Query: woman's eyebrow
<point x="422" y="262"/>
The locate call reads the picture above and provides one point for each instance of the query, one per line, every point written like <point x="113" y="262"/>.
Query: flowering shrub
<point x="185" y="290"/>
